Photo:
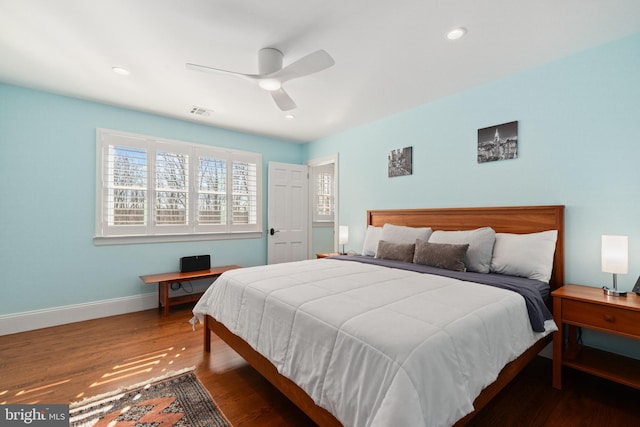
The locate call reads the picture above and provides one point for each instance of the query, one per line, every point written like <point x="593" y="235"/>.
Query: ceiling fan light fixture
<point x="272" y="75"/>
<point x="456" y="33"/>
<point x="270" y="84"/>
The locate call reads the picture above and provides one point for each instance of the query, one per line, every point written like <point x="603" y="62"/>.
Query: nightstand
<point x="587" y="307"/>
<point x="326" y="254"/>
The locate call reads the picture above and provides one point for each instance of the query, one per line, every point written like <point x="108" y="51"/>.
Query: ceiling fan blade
<point x="283" y="100"/>
<point x="312" y="63"/>
<point x="202" y="68"/>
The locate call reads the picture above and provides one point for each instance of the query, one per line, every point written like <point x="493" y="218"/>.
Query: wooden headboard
<point x="509" y="219"/>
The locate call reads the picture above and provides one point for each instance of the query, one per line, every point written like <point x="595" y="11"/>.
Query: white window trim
<point x="176" y="234"/>
<point x="334" y="159"/>
<point x="316" y="170"/>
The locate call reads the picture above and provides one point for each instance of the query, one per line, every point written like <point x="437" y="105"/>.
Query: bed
<point x="322" y="387"/>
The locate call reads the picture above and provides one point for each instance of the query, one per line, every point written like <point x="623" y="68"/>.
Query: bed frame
<point x="517" y="219"/>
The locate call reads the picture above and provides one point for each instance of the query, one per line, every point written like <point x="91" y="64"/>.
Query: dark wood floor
<point x="66" y="363"/>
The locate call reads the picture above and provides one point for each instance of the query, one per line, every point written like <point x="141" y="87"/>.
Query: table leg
<point x="558" y="344"/>
<point x="207" y="337"/>
<point x="163" y="296"/>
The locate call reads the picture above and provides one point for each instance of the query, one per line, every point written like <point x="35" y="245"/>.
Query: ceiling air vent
<point x="200" y="111"/>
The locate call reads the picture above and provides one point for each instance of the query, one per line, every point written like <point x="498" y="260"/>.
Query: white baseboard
<point x="30" y="320"/>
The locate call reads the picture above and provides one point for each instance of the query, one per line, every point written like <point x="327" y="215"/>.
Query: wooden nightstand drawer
<point x="598" y="316"/>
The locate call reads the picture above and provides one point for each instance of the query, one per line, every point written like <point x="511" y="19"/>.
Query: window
<point x="323" y="193"/>
<point x="148" y="186"/>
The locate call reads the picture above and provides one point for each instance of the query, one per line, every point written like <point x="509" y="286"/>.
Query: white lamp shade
<point x="615" y="254"/>
<point x="343" y="234"/>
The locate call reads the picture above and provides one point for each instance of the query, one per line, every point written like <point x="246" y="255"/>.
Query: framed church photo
<point x="498" y="142"/>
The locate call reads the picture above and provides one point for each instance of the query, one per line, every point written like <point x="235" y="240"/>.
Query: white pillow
<point x="403" y="234"/>
<point x="525" y="255"/>
<point x="371" y="239"/>
<point x="480" y="240"/>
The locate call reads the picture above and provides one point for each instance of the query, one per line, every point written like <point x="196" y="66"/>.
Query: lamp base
<point x="613" y="292"/>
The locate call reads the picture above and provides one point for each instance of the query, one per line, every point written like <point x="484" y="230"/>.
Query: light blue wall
<point x="322" y="239"/>
<point x="579" y="145"/>
<point x="47" y="202"/>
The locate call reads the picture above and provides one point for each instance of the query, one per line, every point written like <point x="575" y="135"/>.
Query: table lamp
<point x="343" y="237"/>
<point x="615" y="255"/>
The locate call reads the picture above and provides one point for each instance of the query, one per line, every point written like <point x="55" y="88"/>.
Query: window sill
<point x="168" y="238"/>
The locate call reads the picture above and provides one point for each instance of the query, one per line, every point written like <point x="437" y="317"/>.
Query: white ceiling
<point x="391" y="55"/>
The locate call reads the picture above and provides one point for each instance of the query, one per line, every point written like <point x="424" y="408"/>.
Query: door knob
<point x="272" y="231"/>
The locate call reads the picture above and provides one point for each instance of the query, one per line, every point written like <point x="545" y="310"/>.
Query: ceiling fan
<point x="272" y="75"/>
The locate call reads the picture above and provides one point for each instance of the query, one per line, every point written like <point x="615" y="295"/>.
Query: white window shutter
<point x="124" y="190"/>
<point x="211" y="189"/>
<point x="323" y="183"/>
<point x="244" y="196"/>
<point x="171" y="189"/>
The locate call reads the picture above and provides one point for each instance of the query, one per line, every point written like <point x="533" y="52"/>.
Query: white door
<point x="288" y="216"/>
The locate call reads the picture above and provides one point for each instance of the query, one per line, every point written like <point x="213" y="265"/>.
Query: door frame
<point x="321" y="161"/>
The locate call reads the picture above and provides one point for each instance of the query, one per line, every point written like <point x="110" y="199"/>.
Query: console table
<point x="165" y="279"/>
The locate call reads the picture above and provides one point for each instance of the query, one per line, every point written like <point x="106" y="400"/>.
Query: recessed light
<point x="289" y="117"/>
<point x="121" y="71"/>
<point x="456" y="33"/>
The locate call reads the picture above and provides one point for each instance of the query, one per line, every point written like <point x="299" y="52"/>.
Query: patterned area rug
<point x="178" y="400"/>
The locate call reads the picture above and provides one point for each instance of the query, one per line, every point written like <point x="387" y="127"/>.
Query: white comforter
<point x="375" y="346"/>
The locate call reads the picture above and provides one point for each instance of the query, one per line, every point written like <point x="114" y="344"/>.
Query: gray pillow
<point x="395" y="251"/>
<point x="480" y="240"/>
<point x="403" y="234"/>
<point x="441" y="255"/>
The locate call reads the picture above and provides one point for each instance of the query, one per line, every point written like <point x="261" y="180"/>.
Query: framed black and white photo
<point x="401" y="162"/>
<point x="498" y="142"/>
